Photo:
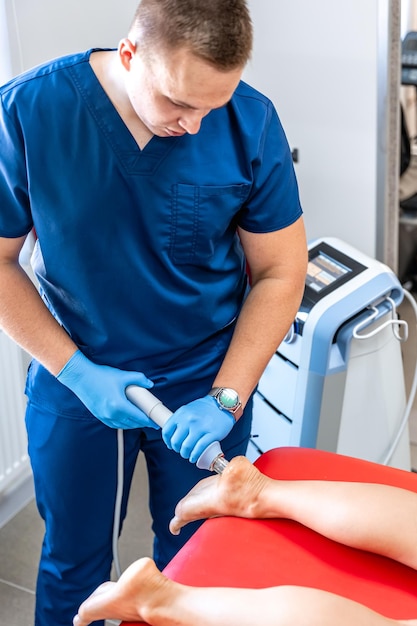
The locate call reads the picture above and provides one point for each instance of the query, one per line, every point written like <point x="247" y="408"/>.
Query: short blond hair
<point x="218" y="31"/>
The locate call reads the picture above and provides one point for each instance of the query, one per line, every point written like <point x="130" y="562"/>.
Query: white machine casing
<point x="336" y="382"/>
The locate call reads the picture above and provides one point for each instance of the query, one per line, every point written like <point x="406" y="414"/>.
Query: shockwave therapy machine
<point x="336" y="382"/>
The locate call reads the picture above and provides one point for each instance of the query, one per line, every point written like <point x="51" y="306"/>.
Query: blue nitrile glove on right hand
<point x="102" y="389"/>
<point x="194" y="426"/>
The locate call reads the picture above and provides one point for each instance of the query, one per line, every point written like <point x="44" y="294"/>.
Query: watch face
<point x="229" y="398"/>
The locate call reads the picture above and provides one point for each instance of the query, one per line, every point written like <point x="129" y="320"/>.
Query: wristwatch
<point x="228" y="400"/>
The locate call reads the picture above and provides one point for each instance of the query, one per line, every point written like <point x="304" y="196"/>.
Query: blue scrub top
<point x="137" y="253"/>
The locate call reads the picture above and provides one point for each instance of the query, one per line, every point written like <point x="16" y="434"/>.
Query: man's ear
<point x="126" y="52"/>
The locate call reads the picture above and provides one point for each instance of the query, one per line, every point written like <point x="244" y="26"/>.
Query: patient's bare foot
<point x="139" y="589"/>
<point x="234" y="492"/>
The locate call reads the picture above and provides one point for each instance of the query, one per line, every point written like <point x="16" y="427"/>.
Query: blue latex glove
<point x="102" y="389"/>
<point x="195" y="426"/>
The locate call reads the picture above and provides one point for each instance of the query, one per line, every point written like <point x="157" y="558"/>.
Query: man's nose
<point x="190" y="121"/>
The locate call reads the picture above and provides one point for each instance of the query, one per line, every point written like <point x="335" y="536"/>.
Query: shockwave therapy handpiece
<point x="211" y="459"/>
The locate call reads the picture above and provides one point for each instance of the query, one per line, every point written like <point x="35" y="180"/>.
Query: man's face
<point x="172" y="92"/>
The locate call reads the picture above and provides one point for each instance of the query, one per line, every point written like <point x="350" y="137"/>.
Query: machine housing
<point x="336" y="382"/>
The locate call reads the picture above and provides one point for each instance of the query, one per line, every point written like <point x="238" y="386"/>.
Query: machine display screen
<point x="328" y="269"/>
<point x="323" y="270"/>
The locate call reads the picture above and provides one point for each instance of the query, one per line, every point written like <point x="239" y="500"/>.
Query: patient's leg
<point x="237" y="491"/>
<point x="360" y="515"/>
<point x="144" y="594"/>
<point x="138" y="590"/>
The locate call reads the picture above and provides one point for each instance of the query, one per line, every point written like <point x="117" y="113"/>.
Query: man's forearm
<point x="265" y="318"/>
<point x="25" y="318"/>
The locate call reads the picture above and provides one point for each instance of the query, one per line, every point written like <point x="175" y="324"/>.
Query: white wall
<point x="319" y="61"/>
<point x="5" y="56"/>
<point x="43" y="29"/>
<point x="407" y="16"/>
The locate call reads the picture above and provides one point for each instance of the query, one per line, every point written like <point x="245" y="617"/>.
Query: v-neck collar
<point x="117" y="134"/>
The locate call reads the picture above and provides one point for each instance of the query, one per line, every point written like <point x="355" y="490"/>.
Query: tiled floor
<point x="20" y="539"/>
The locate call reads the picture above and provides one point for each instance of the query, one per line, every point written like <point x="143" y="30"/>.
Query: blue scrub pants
<point x="74" y="461"/>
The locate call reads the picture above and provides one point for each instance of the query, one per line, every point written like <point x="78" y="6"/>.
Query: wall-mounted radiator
<point x="16" y="487"/>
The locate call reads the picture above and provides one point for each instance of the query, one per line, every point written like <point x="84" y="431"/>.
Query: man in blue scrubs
<point x="154" y="178"/>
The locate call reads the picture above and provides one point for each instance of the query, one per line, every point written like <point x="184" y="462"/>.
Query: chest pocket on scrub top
<point x="203" y="217"/>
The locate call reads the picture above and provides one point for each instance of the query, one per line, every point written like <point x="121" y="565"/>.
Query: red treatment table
<point x="234" y="552"/>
